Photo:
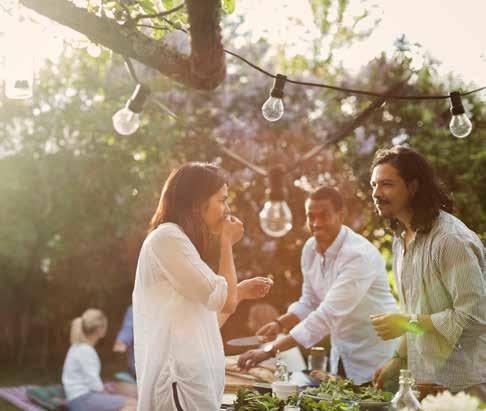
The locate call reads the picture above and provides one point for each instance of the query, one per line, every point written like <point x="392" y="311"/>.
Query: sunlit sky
<point x="454" y="32"/>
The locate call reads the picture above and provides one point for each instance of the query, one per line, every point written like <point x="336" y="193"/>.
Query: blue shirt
<point x="126" y="335"/>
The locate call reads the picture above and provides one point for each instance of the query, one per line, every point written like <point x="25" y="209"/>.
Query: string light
<point x="127" y="120"/>
<point x="275" y="216"/>
<point x="279" y="107"/>
<point x="273" y="108"/>
<point x="19" y="62"/>
<point x="460" y="124"/>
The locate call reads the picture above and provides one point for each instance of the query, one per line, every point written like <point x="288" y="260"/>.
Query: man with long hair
<point x="439" y="266"/>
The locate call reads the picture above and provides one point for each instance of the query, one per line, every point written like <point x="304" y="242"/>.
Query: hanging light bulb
<point x="19" y="87"/>
<point x="275" y="216"/>
<point x="19" y="63"/>
<point x="460" y="124"/>
<point x="273" y="108"/>
<point x="127" y="120"/>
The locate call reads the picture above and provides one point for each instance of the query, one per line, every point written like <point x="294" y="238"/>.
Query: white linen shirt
<point x="340" y="290"/>
<point x="81" y="371"/>
<point x="176" y="333"/>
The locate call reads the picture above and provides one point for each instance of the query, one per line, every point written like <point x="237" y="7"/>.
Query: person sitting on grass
<point x="81" y="371"/>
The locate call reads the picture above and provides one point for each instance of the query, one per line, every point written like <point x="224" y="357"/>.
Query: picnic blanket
<point x="47" y="397"/>
<point x="18" y="396"/>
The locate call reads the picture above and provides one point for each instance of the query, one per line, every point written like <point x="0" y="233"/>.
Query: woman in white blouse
<point x="179" y="303"/>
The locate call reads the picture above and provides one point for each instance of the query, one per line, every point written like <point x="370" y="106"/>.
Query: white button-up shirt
<point x="341" y="289"/>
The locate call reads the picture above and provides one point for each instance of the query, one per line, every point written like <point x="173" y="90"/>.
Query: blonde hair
<point x="84" y="326"/>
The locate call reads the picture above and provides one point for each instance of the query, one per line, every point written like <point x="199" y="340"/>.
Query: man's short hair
<point x="328" y="193"/>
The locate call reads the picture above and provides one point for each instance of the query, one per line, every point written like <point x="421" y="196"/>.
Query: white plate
<point x="245" y="341"/>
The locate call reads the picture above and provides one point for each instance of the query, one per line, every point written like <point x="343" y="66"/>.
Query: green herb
<point x="329" y="396"/>
<point x="251" y="400"/>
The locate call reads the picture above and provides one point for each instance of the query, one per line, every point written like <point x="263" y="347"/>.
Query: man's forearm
<point x="285" y="343"/>
<point x="288" y="321"/>
<point x="402" y="347"/>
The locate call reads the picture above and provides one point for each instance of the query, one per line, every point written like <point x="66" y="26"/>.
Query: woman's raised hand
<point x="232" y="230"/>
<point x="257" y="287"/>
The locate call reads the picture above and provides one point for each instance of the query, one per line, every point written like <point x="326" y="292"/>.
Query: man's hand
<point x="120" y="346"/>
<point x="390" y="371"/>
<point x="269" y="331"/>
<point x="252" y="358"/>
<point x="390" y="325"/>
<point x="253" y="288"/>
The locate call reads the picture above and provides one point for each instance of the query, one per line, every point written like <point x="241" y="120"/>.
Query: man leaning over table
<point x="439" y="266"/>
<point x="344" y="282"/>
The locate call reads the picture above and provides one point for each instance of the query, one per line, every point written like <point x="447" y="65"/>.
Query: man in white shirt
<point x="344" y="282"/>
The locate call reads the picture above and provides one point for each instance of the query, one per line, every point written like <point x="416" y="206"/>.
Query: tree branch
<point x="349" y="127"/>
<point x="161" y="14"/>
<point x="204" y="69"/>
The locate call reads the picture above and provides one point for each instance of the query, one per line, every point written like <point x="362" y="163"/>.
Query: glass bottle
<point x="405" y="397"/>
<point x="317" y="359"/>
<point x="281" y="370"/>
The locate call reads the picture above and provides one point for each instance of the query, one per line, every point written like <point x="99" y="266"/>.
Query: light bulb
<point x="273" y="109"/>
<point x="460" y="126"/>
<point x="20" y="76"/>
<point x="18" y="89"/>
<point x="126" y="122"/>
<point x="93" y="50"/>
<point x="19" y="62"/>
<point x="276" y="218"/>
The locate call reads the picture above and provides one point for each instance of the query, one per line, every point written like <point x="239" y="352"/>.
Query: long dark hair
<point x="430" y="196"/>
<point x="183" y="194"/>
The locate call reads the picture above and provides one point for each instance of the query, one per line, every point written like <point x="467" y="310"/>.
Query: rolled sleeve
<point x="301" y="309"/>
<point x="447" y="325"/>
<point x="461" y="266"/>
<point x="186" y="271"/>
<point x="310" y="331"/>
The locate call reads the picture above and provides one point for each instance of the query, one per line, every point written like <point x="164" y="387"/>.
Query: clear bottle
<point x="281" y="370"/>
<point x="405" y="397"/>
